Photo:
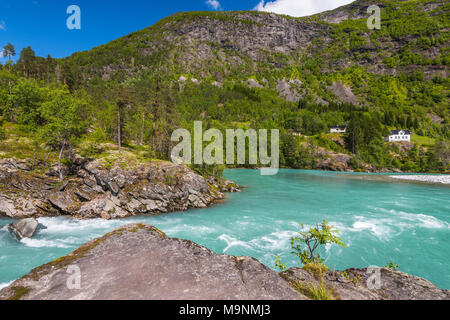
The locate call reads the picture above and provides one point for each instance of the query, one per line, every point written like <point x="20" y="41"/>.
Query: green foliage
<point x="63" y="118"/>
<point x="24" y="103"/>
<point x="308" y="243"/>
<point x="392" y="266"/>
<point x="9" y="51"/>
<point x="279" y="265"/>
<point x="2" y="131"/>
<point x="355" y="279"/>
<point x="442" y="152"/>
<point x="206" y="170"/>
<point x="316" y="269"/>
<point x="91" y="150"/>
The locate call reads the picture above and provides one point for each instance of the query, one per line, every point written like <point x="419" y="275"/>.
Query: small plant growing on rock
<point x="355" y="279"/>
<point x="392" y="266"/>
<point x="307" y="244"/>
<point x="306" y="247"/>
<point x="280" y="266"/>
<point x="314" y="292"/>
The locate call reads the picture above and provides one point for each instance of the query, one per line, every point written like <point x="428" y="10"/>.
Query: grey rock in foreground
<point x="139" y="262"/>
<point x="352" y="285"/>
<point x="24" y="228"/>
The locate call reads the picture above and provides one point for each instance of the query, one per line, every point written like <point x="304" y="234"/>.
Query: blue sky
<point x="41" y="24"/>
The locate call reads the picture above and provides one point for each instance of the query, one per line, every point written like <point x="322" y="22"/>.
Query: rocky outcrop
<point x="353" y="284"/>
<point x="343" y="92"/>
<point x="95" y="190"/>
<point x="290" y="90"/>
<point x="24" y="228"/>
<point x="139" y="262"/>
<point x="13" y="165"/>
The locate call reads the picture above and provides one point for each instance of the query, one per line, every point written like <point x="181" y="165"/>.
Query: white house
<point x="399" y="135"/>
<point x="338" y="129"/>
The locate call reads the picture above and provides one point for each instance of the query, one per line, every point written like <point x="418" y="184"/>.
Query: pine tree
<point x="9" y="51"/>
<point x="27" y="61"/>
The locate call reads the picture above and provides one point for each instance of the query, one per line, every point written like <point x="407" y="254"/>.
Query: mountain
<point x="413" y="40"/>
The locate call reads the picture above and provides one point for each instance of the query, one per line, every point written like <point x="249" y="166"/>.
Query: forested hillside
<point x="247" y="70"/>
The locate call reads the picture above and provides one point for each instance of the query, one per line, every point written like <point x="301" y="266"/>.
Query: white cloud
<point x="300" y="8"/>
<point x="213" y="4"/>
<point x="2" y="25"/>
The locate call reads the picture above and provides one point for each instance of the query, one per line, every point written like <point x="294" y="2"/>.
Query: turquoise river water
<point x="380" y="220"/>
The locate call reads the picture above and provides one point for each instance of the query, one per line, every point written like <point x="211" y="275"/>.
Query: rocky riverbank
<point x="93" y="189"/>
<point x="139" y="262"/>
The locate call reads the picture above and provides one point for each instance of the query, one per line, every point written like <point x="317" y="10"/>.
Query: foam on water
<point x="39" y="243"/>
<point x="4" y="285"/>
<point x="277" y="241"/>
<point x="232" y="242"/>
<point x="377" y="227"/>
<point x="63" y="226"/>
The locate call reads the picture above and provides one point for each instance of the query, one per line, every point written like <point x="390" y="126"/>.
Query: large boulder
<point x="24" y="228"/>
<point x="139" y="262"/>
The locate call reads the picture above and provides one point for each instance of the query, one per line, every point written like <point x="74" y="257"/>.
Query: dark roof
<point x="397" y="132"/>
<point x="339" y="127"/>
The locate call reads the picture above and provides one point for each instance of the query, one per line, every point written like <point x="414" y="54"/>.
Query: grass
<point x="109" y="154"/>
<point x="17" y="144"/>
<point x="315" y="292"/>
<point x="19" y="292"/>
<point x="422" y="141"/>
<point x="316" y="269"/>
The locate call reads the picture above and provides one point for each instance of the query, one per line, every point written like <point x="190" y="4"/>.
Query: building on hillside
<point x="338" y="129"/>
<point x="399" y="135"/>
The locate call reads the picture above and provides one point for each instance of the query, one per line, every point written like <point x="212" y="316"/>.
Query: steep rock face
<point x="344" y="93"/>
<point x="353" y="11"/>
<point x="222" y="44"/>
<point x="95" y="191"/>
<point x="274" y="33"/>
<point x="352" y="284"/>
<point x="140" y="262"/>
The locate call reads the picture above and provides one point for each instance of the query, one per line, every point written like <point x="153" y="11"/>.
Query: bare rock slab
<point x="139" y="262"/>
<point x="24" y="228"/>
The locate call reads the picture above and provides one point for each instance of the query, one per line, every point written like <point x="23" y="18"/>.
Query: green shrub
<point x="307" y="244"/>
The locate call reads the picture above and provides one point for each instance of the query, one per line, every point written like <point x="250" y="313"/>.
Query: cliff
<point x="140" y="262"/>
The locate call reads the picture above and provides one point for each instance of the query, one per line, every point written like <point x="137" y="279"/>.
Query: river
<point x="380" y="220"/>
